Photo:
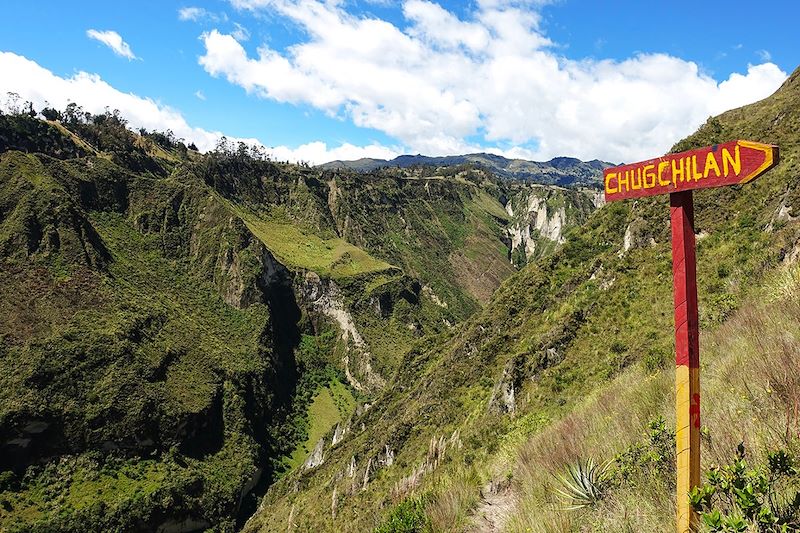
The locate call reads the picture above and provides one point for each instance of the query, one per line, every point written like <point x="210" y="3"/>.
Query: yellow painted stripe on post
<point x="683" y="441"/>
<point x="687" y="437"/>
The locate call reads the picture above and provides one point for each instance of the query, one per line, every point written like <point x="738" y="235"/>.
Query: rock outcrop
<point x="541" y="214"/>
<point x="324" y="296"/>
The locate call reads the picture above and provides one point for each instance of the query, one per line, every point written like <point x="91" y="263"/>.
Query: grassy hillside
<point x="750" y="387"/>
<point x="298" y="249"/>
<point x="333" y="404"/>
<point x="572" y="358"/>
<point x="439" y="229"/>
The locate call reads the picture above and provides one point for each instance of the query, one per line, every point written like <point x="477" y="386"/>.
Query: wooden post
<point x="687" y="356"/>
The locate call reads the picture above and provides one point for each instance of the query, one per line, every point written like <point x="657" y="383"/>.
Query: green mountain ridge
<point x="563" y="171"/>
<point x="172" y="321"/>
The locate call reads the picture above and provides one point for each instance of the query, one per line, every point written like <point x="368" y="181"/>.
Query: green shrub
<point x="656" y="359"/>
<point x="654" y="455"/>
<point x="407" y="517"/>
<point x="7" y="480"/>
<point x="736" y="497"/>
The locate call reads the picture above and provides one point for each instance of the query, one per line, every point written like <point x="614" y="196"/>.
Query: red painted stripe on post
<point x="684" y="279"/>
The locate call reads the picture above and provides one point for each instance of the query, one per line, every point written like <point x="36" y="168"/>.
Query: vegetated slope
<point x="503" y="401"/>
<point x="176" y="328"/>
<point x="140" y="371"/>
<point x="563" y="171"/>
<point x="149" y="333"/>
<point x="448" y="231"/>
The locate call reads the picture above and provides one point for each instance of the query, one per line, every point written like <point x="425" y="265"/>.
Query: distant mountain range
<point x="558" y="171"/>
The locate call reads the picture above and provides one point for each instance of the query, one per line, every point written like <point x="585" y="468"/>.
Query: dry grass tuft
<point x="754" y="390"/>
<point x="449" y="511"/>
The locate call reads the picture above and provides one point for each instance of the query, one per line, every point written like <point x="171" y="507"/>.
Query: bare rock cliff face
<point x="324" y="296"/>
<point x="541" y="214"/>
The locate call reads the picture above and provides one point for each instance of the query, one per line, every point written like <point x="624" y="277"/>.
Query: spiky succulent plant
<point x="584" y="484"/>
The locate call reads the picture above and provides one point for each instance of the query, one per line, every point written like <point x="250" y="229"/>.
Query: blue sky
<point x="316" y="80"/>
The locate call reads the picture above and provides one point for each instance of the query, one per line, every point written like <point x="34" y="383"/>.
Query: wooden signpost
<point x="730" y="163"/>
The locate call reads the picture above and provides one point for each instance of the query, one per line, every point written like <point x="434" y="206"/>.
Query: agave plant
<point x="584" y="485"/>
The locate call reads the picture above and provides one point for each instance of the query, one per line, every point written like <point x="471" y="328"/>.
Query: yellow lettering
<point x="711" y="164"/>
<point x="695" y="174"/>
<point x="662" y="166"/>
<point x="677" y="171"/>
<point x="735" y="162"/>
<point x="609" y="177"/>
<point x="622" y="177"/>
<point x="649" y="177"/>
<point x="636" y="178"/>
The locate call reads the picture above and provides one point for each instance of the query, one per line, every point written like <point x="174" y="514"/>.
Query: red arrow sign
<point x="729" y="163"/>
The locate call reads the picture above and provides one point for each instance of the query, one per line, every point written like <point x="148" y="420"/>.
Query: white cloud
<point x="319" y="152"/>
<point x="440" y="79"/>
<point x="741" y="89"/>
<point x="192" y="13"/>
<point x="764" y="55"/>
<point x="197" y="14"/>
<point x="251" y="5"/>
<point x="114" y="41"/>
<point x="199" y="94"/>
<point x="240" y="33"/>
<point x="40" y="86"/>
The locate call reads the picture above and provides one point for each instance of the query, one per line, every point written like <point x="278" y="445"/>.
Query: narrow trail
<point x="498" y="501"/>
